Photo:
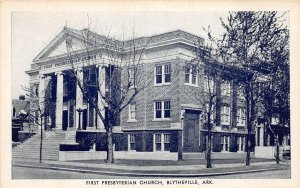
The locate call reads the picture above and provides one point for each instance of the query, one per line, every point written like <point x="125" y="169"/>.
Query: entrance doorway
<point x="191" y="131"/>
<point x="65" y="120"/>
<point x="84" y="119"/>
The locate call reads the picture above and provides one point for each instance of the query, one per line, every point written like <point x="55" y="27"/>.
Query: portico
<point x="60" y="92"/>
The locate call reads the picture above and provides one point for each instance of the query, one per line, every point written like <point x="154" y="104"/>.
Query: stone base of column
<point x="90" y="128"/>
<point x="101" y="130"/>
<point x="71" y="128"/>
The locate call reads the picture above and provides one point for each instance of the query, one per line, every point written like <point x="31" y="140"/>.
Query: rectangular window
<point x="187" y="74"/>
<point x="166" y="142"/>
<point x="66" y="89"/>
<point x="162" y="74"/>
<point x="162" y="142"/>
<point x="225" y="143"/>
<point x="167" y="109"/>
<point x="131" y="142"/>
<point x="132" y="110"/>
<point x="191" y="75"/>
<point x="209" y="84"/>
<point x="158" y="72"/>
<point x="157" y="142"/>
<point x="131" y="77"/>
<point x="167" y="73"/>
<point x="225" y="88"/>
<point x="206" y="142"/>
<point x="92" y="75"/>
<point x="158" y="111"/>
<point x="241" y="92"/>
<point x="162" y="109"/>
<point x="194" y="75"/>
<point x="275" y="120"/>
<point x="225" y="115"/>
<point x="211" y="112"/>
<point x="241" y="119"/>
<point x="241" y="143"/>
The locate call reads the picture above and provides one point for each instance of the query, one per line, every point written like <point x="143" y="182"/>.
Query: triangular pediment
<point x="64" y="43"/>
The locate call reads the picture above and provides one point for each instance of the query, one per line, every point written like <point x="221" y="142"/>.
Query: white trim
<point x="190" y="83"/>
<point x="227" y="90"/>
<point x="162" y="142"/>
<point x="224" y="143"/>
<point x="129" y="142"/>
<point x="129" y="112"/>
<point x="163" y="74"/>
<point x="226" y="108"/>
<point x="162" y="84"/>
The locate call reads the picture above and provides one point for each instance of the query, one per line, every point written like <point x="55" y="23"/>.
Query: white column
<point x="59" y="99"/>
<point x="41" y="97"/>
<point x="79" y="96"/>
<point x="101" y="102"/>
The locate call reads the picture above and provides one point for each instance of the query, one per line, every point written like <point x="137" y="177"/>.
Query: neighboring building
<point x="20" y="105"/>
<point x="165" y="116"/>
<point x="266" y="135"/>
<point x="20" y="108"/>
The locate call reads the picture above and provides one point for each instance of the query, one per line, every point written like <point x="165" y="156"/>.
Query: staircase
<point x="30" y="149"/>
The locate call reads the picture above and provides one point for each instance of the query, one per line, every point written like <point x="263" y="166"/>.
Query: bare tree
<point x="274" y="93"/>
<point x="247" y="42"/>
<point x="37" y="111"/>
<point x="125" y="76"/>
<point x="202" y="67"/>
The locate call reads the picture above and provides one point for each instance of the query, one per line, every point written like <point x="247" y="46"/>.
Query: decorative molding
<point x="41" y="76"/>
<point x="59" y="73"/>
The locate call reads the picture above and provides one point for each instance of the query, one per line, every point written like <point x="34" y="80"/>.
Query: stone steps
<point x="30" y="149"/>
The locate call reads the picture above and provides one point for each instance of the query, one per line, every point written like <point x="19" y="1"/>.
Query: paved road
<point x="33" y="173"/>
<point x="277" y="174"/>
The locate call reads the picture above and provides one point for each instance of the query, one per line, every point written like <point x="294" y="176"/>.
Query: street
<point x="34" y="173"/>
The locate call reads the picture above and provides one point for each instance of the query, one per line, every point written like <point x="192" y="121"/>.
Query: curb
<point x="150" y="175"/>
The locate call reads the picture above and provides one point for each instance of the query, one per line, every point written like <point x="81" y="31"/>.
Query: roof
<point x="21" y="105"/>
<point x="96" y="40"/>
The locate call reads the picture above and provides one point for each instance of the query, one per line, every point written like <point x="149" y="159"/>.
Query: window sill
<point x="131" y="120"/>
<point x="225" y="124"/>
<point x="240" y="125"/>
<point x="162" y="119"/>
<point x="162" y="84"/>
<point x="189" y="84"/>
<point x="132" y="151"/>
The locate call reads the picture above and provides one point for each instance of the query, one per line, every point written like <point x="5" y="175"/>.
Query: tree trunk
<point x="248" y="106"/>
<point x="110" y="158"/>
<point x="208" y="149"/>
<point x="277" y="149"/>
<point x="208" y="155"/>
<point x="179" y="157"/>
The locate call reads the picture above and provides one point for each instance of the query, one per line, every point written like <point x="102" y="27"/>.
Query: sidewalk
<point x="164" y="171"/>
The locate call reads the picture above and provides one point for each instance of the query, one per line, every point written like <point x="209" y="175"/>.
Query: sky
<point x="33" y="31"/>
